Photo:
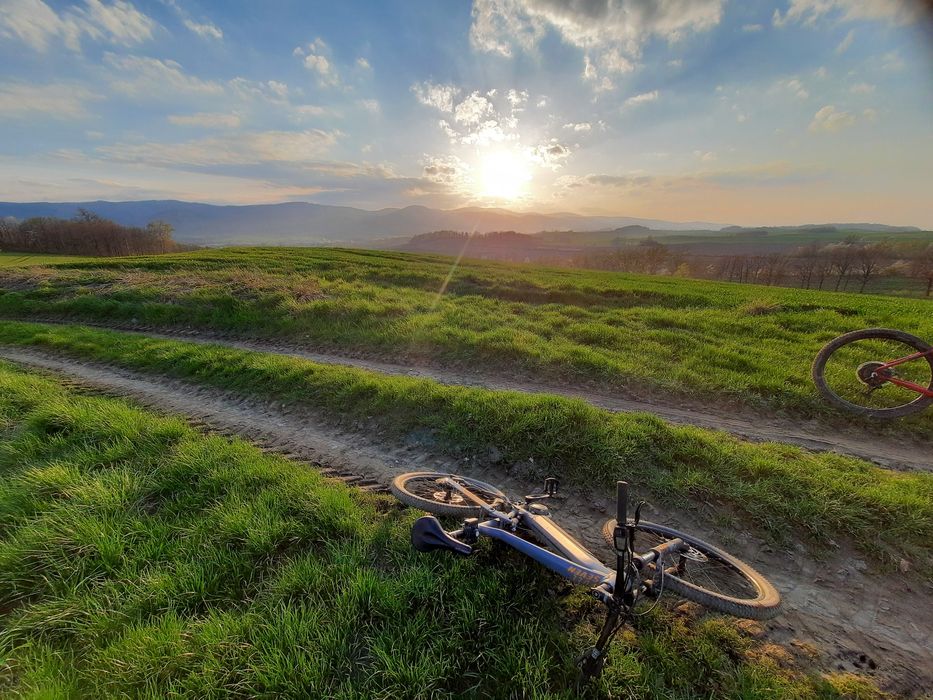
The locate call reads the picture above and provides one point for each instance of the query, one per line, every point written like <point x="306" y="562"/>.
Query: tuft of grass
<point x="141" y="558"/>
<point x="777" y="488"/>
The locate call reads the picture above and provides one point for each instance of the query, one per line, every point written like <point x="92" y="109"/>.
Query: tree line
<point x="86" y="234"/>
<point x="848" y="265"/>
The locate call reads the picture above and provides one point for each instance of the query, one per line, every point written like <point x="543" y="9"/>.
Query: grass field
<point x="742" y="344"/>
<point x="140" y="558"/>
<point x="26" y="259"/>
<point x="776" y="489"/>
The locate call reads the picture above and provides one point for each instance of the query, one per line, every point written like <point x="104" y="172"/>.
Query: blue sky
<point x="779" y="111"/>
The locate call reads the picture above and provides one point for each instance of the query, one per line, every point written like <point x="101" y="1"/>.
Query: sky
<point x="746" y="112"/>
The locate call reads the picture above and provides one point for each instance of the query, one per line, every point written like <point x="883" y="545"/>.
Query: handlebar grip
<point x="622" y="502"/>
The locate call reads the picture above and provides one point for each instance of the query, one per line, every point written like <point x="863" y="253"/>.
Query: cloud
<point x="551" y="154"/>
<point x="473" y="109"/>
<point x="579" y="126"/>
<point x="239" y="149"/>
<point x="642" y="98"/>
<point x="500" y="26"/>
<point x="370" y="105"/>
<point x="447" y="170"/>
<point x="206" y="30"/>
<point x="517" y="98"/>
<point x="862" y="88"/>
<point x="37" y="25"/>
<point x="363" y="63"/>
<point x="846" y="43"/>
<point x="830" y="119"/>
<point x="441" y="97"/>
<point x="205" y="119"/>
<point x="54" y="101"/>
<point x="143" y="77"/>
<point x="751" y="28"/>
<point x="810" y="12"/>
<point x="792" y="85"/>
<point x="269" y="90"/>
<point x="706" y="156"/>
<point x="318" y="63"/>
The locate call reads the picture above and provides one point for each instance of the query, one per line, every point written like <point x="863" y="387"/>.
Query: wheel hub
<point x="873" y="374"/>
<point x="447" y="497"/>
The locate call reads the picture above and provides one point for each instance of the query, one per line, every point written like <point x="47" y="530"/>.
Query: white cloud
<point x="643" y="98"/>
<point x="239" y="149"/>
<point x="205" y="119"/>
<point x="318" y="63"/>
<point x="846" y="43"/>
<point x="370" y="105"/>
<point x="831" y="119"/>
<point x="862" y="89"/>
<point x="473" y="109"/>
<point x="870" y="115"/>
<point x="705" y="156"/>
<point x="55" y="101"/>
<point x="204" y="29"/>
<point x="752" y="27"/>
<point x="550" y="155"/>
<point x="363" y="63"/>
<point x="578" y="126"/>
<point x="517" y="98"/>
<point x="675" y="63"/>
<point x="36" y="24"/>
<point x="500" y="25"/>
<point x="440" y="97"/>
<point x="809" y="12"/>
<point x="792" y="85"/>
<point x="140" y="76"/>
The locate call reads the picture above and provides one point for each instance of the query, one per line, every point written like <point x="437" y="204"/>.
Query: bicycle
<point x="856" y="373"/>
<point x="649" y="558"/>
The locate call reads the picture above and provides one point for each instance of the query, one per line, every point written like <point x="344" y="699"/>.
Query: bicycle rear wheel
<point x="848" y="372"/>
<point x="422" y="490"/>
<point x="707" y="575"/>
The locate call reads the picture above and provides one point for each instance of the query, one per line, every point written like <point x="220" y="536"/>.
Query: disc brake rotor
<point x="872" y="374"/>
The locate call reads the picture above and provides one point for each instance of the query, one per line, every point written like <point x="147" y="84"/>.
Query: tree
<point x="161" y="231"/>
<point x="922" y="267"/>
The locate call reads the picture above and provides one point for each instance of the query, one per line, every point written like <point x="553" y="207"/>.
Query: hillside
<point x="304" y="223"/>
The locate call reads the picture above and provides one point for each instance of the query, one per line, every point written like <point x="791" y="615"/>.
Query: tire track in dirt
<point x="892" y="452"/>
<point x="859" y="620"/>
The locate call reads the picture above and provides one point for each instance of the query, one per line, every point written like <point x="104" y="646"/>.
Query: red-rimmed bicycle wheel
<point x="849" y="372"/>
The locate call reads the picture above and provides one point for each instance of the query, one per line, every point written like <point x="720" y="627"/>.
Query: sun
<point x="503" y="175"/>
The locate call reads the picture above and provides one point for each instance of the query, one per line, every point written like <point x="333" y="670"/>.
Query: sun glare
<point x="503" y="175"/>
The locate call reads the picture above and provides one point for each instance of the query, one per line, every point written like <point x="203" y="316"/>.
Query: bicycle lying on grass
<point x="649" y="558"/>
<point x="877" y="372"/>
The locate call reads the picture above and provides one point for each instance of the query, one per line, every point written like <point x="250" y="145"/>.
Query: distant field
<point x="139" y="558"/>
<point x="741" y="344"/>
<point x="21" y="259"/>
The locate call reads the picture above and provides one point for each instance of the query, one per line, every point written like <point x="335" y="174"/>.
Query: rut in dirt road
<point x="859" y="621"/>
<point x="892" y="452"/>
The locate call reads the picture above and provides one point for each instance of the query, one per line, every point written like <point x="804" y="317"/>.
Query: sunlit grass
<point x="140" y="558"/>
<point x="780" y="490"/>
<point x="741" y="344"/>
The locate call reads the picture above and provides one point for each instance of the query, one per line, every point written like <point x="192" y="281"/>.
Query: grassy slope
<point x="771" y="485"/>
<point x="140" y="558"/>
<point x="742" y="343"/>
<point x="22" y="259"/>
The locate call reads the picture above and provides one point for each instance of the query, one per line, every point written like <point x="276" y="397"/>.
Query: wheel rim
<point x="854" y="374"/>
<point x="700" y="568"/>
<point x="429" y="488"/>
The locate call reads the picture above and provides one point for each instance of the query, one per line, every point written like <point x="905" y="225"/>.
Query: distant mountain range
<point x="304" y="223"/>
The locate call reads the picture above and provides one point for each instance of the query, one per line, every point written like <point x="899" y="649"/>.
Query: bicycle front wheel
<point x="849" y="372"/>
<point x="423" y="490"/>
<point x="706" y="574"/>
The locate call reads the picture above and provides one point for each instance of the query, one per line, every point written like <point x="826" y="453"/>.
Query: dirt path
<point x="857" y="619"/>
<point x="887" y="451"/>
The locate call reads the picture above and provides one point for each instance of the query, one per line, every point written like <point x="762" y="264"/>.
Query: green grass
<point x="139" y="558"/>
<point x="738" y="344"/>
<point x="777" y="489"/>
<point x="25" y="259"/>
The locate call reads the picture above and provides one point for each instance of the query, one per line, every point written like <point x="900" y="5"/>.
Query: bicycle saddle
<point x="427" y="534"/>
